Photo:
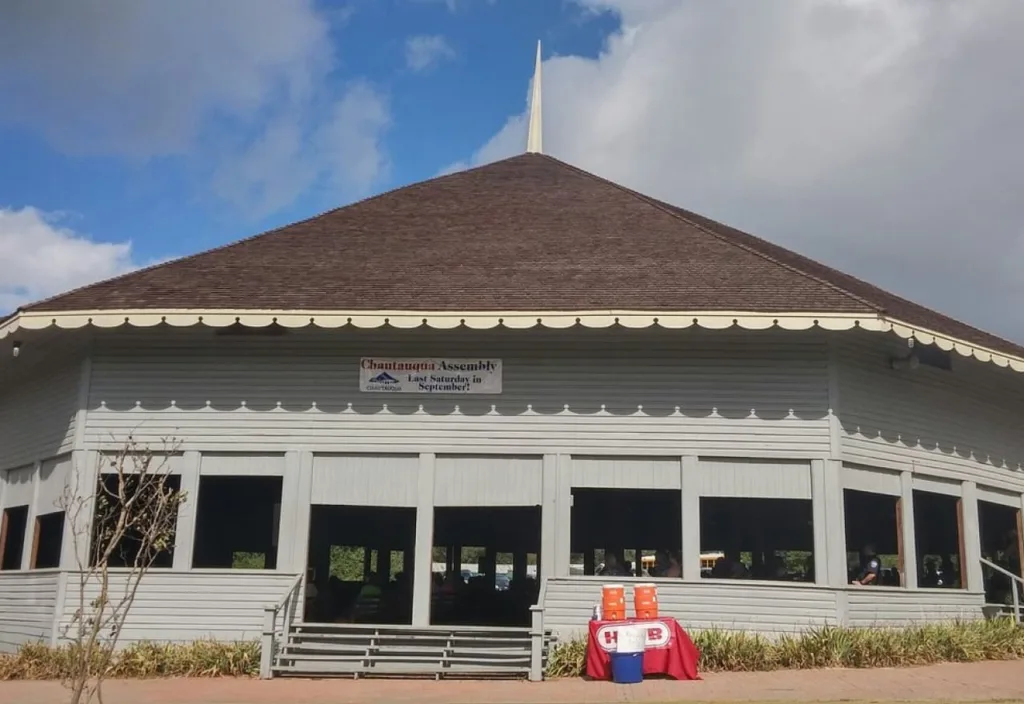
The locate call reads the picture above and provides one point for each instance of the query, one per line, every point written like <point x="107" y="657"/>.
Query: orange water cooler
<point x="645" y="600"/>
<point x="613" y="602"/>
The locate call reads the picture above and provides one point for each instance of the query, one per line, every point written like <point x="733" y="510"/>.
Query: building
<point x="529" y="360"/>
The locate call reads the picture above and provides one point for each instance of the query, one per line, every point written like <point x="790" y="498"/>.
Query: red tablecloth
<point x="669" y="649"/>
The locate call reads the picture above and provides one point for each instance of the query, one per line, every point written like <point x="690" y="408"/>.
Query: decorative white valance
<point x="516" y="320"/>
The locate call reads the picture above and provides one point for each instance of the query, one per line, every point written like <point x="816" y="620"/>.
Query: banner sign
<point x="430" y="376"/>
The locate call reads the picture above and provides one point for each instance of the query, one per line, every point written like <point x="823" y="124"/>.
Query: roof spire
<point x="535" y="133"/>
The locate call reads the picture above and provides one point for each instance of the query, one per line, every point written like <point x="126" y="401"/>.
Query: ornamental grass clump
<point x="721" y="651"/>
<point x="204" y="658"/>
<point x="830" y="646"/>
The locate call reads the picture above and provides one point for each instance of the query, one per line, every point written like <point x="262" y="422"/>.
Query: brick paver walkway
<point x="984" y="681"/>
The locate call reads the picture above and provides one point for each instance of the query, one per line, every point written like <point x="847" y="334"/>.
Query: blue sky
<point x="878" y="136"/>
<point x="471" y="69"/>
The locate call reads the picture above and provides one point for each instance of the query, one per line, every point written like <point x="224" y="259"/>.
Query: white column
<point x="549" y="518"/>
<point x="297" y="535"/>
<point x="819" y="522"/>
<point x="971" y="572"/>
<point x="689" y="482"/>
<point x="909" y="536"/>
<point x="82" y="480"/>
<point x="290" y="499"/>
<point x="422" y="575"/>
<point x="185" y="533"/>
<point x="834" y="558"/>
<point x="563" y="516"/>
<point x="85" y="470"/>
<point x="1020" y="534"/>
<point x="30" y="520"/>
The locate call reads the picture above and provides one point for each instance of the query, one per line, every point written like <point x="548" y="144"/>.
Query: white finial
<point x="535" y="134"/>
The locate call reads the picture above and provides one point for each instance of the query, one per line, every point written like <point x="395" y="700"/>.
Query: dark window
<point x="12" y="537"/>
<point x="874" y="525"/>
<point x="126" y="551"/>
<point x="752" y="538"/>
<point x="49" y="538"/>
<point x="938" y="520"/>
<point x="626" y="532"/>
<point x="237" y="522"/>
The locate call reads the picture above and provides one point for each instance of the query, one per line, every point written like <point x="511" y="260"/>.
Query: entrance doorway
<point x="361" y="564"/>
<point x="486" y="562"/>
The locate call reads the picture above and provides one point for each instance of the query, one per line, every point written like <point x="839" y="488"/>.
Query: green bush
<point x="721" y="651"/>
<point x="829" y="646"/>
<point x="204" y="658"/>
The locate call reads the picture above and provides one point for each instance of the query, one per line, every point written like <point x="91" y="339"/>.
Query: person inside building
<point x="870" y="567"/>
<point x="949" y="575"/>
<point x="775" y="568"/>
<point x="728" y="566"/>
<point x="613" y="566"/>
<point x="666" y="564"/>
<point x="660" y="564"/>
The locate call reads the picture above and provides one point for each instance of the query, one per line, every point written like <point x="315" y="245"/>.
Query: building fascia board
<point x="518" y="320"/>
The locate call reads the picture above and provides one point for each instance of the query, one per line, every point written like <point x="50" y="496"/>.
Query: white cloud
<point x="227" y="85"/>
<point x="455" y="5"/>
<point x="426" y="51"/>
<point x="342" y="154"/>
<point x="880" y="137"/>
<point x="41" y="258"/>
<point x="351" y="136"/>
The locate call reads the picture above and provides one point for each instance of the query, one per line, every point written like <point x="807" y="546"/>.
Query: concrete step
<point x="342" y="634"/>
<point x="329" y="650"/>
<point x="405" y="669"/>
<point x="406" y="657"/>
<point x="301" y="649"/>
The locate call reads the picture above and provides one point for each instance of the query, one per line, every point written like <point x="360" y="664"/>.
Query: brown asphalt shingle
<point x="526" y="233"/>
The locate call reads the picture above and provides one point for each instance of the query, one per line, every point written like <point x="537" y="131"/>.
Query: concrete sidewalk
<point x="985" y="681"/>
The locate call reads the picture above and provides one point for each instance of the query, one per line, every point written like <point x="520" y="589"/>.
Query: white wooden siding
<point x="585" y="392"/>
<point x="27" y="603"/>
<point x="874" y="481"/>
<point x="241" y="465"/>
<point x="937" y="486"/>
<point x="626" y="472"/>
<point x="769" y="608"/>
<point x="190" y="606"/>
<point x="963" y="424"/>
<point x="488" y="480"/>
<point x="1004" y="498"/>
<point x="18" y="487"/>
<point x="761" y="479"/>
<point x="38" y="411"/>
<point x="53" y="479"/>
<point x="365" y="480"/>
<point x="890" y="606"/>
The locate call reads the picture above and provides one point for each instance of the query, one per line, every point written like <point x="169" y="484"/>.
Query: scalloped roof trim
<point x="516" y="320"/>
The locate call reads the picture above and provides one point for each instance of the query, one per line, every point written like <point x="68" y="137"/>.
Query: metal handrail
<point x="286" y="605"/>
<point x="1013" y="586"/>
<point x="296" y="583"/>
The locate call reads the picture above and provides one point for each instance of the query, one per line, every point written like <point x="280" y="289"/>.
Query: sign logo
<point x="430" y="376"/>
<point x="658" y="635"/>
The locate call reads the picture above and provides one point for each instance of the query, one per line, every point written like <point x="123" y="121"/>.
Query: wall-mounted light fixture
<point x="921" y="356"/>
<point x="15" y="349"/>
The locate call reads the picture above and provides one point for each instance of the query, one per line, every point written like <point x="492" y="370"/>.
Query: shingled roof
<point x="528" y="233"/>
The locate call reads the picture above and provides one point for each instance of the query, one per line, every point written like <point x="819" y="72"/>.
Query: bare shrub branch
<point x="120" y="524"/>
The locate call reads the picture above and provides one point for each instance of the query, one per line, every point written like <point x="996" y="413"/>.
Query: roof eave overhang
<point x="516" y="320"/>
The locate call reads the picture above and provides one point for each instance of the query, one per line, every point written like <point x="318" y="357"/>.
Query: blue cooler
<point x="627" y="668"/>
<point x="628" y="658"/>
